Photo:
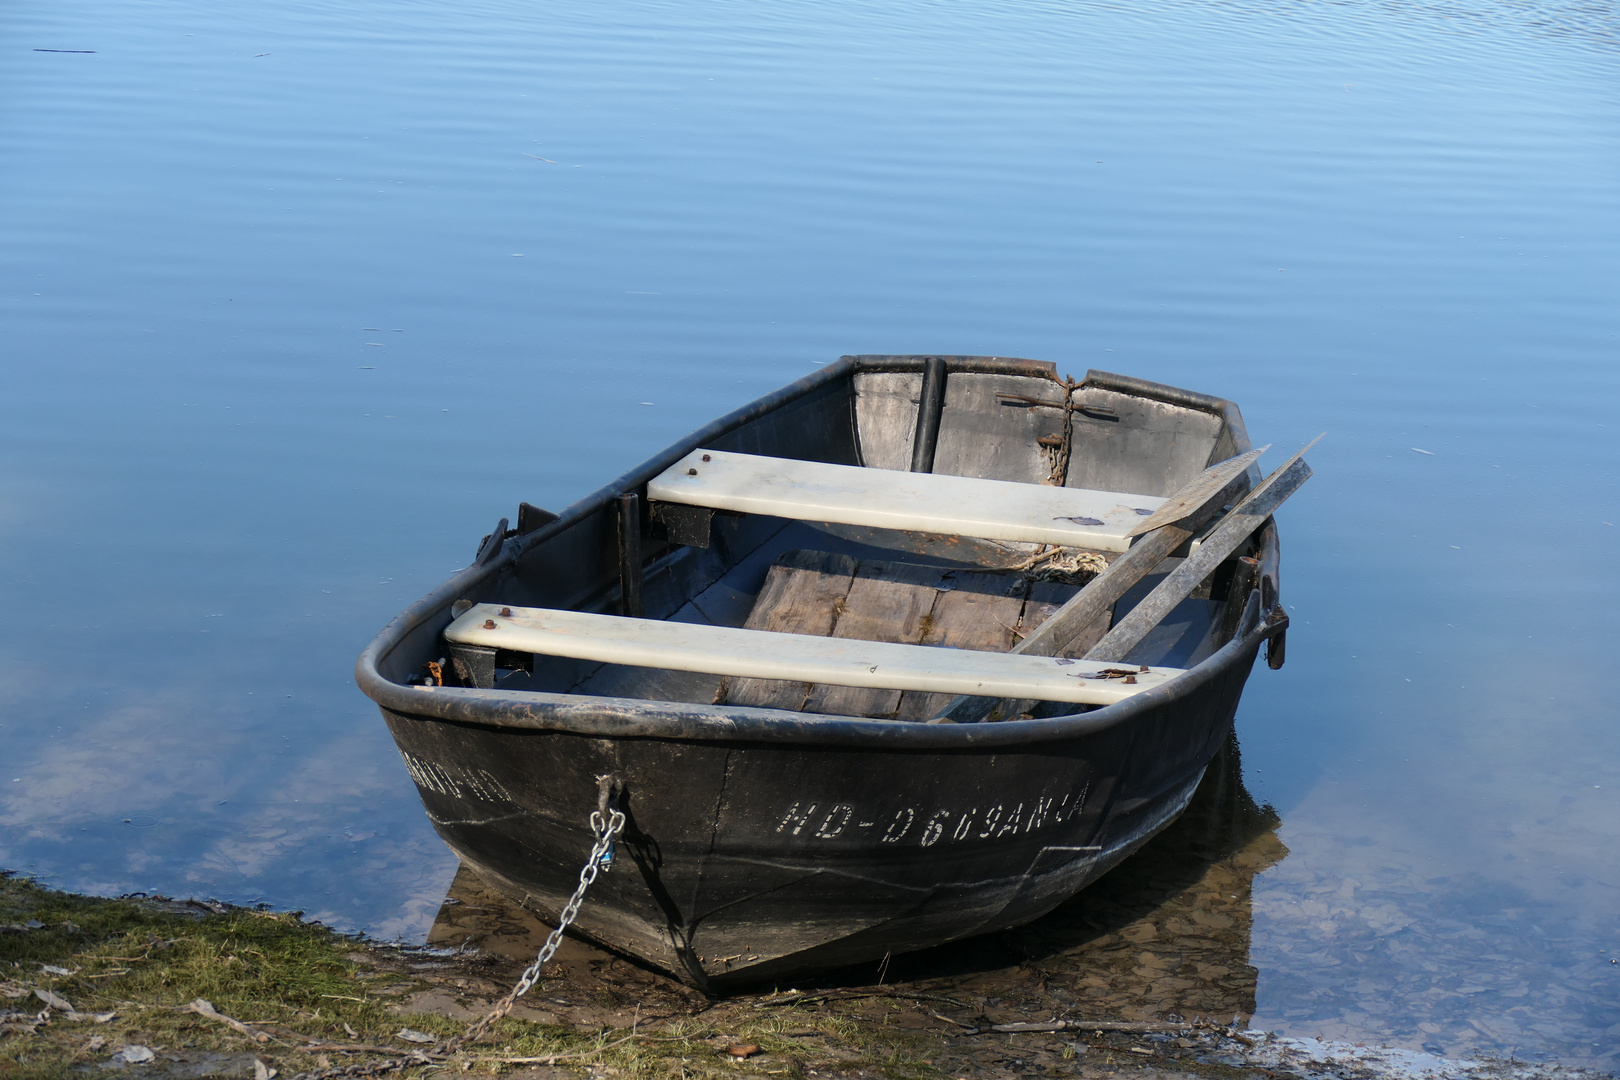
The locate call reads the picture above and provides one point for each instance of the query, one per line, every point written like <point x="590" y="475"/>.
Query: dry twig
<point x="850" y="995"/>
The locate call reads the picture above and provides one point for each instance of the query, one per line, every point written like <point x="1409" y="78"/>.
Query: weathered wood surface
<point x="1139" y="444"/>
<point x="1232" y="532"/>
<point x="923" y="502"/>
<point x="1045" y="599"/>
<point x="1087" y="613"/>
<point x="975" y="613"/>
<point x="886" y="416"/>
<point x="814" y="592"/>
<point x="727" y="650"/>
<point x="1196" y="497"/>
<point x="984" y="434"/>
<point x="802" y="594"/>
<point x="886" y="602"/>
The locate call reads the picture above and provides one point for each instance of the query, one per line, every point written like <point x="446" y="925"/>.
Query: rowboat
<point x="910" y="650"/>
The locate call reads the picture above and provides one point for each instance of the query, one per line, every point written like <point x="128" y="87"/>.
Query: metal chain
<point x="606" y="829"/>
<point x="605" y="826"/>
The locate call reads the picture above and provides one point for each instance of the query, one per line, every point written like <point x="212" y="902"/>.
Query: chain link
<point x="606" y="829"/>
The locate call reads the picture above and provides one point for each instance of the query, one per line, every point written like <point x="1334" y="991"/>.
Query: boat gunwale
<point x="599" y="717"/>
<point x="608" y="717"/>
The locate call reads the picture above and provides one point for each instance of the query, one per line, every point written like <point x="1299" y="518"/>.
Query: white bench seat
<point x="763" y="654"/>
<point x="920" y="502"/>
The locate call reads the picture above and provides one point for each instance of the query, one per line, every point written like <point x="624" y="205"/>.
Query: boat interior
<point x="914" y="503"/>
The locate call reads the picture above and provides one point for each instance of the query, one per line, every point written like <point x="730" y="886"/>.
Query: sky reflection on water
<point x="297" y="302"/>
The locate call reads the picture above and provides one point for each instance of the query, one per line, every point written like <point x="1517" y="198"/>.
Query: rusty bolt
<point x="489" y="624"/>
<point x="691" y="472"/>
<point x="506" y="611"/>
<point x="705" y="457"/>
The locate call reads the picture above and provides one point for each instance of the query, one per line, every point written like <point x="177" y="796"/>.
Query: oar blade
<point x="1196" y="493"/>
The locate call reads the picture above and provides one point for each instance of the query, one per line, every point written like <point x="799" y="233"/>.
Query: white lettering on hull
<point x="455" y="781"/>
<point x="943" y="823"/>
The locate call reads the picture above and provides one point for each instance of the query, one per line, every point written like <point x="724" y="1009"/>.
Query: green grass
<point x="301" y="984"/>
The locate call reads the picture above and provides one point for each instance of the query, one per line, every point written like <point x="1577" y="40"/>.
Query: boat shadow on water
<point x="1165" y="934"/>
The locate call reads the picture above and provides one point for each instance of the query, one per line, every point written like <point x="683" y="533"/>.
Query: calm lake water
<point x="297" y="300"/>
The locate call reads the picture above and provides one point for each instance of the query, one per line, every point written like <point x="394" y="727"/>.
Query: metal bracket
<point x="1277" y="649"/>
<point x="490" y="546"/>
<point x="531" y="517"/>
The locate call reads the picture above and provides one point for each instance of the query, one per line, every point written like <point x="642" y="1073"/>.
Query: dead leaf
<point x="261" y="1071"/>
<point x="134" y="1055"/>
<point x="54" y="970"/>
<point x="353" y="1034"/>
<point x="203" y="1007"/>
<point x="413" y="1036"/>
<point x="1127" y="674"/>
<point x="55" y="1001"/>
<point x="27" y="1023"/>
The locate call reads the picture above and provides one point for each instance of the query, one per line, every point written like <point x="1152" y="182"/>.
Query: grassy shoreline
<point x="208" y="990"/>
<point x="213" y="990"/>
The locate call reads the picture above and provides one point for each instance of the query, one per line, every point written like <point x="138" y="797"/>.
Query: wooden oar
<point x="1231" y="533"/>
<point x="1172" y="525"/>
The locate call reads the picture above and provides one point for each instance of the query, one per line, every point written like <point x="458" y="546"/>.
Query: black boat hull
<point x="760" y="843"/>
<point x="744" y="861"/>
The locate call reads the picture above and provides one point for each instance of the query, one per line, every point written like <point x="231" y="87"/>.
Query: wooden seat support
<point x="919" y="502"/>
<point x="722" y="650"/>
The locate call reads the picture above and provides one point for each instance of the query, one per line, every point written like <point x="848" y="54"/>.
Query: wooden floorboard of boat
<point x="1045" y="597"/>
<point x="802" y="594"/>
<point x="975" y="613"/>
<point x="833" y="595"/>
<point x="886" y="602"/>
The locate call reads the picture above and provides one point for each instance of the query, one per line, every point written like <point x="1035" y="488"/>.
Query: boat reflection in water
<point x="1165" y="933"/>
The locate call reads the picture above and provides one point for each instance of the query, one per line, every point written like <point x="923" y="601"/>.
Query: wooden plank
<point x="1141" y="444"/>
<point x="1196" y="495"/>
<point x="984" y="434"/>
<point x="724" y="650"/>
<point x="1045" y="599"/>
<point x="803" y="593"/>
<point x="1233" y="530"/>
<point x="923" y="502"/>
<point x="886" y="416"/>
<point x="974" y="612"/>
<point x="886" y="602"/>
<point x="1091" y="607"/>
